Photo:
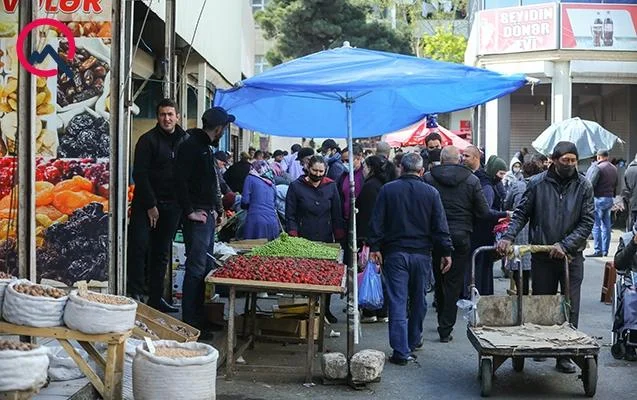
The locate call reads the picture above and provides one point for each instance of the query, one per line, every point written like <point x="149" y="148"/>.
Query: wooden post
<point x="230" y="339"/>
<point x="310" y="339"/>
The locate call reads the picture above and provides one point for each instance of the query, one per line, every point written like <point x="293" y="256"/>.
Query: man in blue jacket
<point x="407" y="222"/>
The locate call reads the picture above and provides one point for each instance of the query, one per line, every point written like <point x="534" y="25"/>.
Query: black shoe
<point x="595" y="254"/>
<point x="330" y="318"/>
<point x="631" y="355"/>
<point x="167" y="308"/>
<point x="446" y="339"/>
<point x="401" y="361"/>
<point x="137" y="297"/>
<point x="419" y="345"/>
<point x="565" y="365"/>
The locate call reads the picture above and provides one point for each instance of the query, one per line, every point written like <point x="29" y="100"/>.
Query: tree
<point x="302" y="27"/>
<point x="444" y="45"/>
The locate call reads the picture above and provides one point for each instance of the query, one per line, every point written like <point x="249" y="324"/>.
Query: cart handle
<point x="515" y="252"/>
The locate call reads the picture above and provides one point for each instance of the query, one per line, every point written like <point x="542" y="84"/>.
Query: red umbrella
<point x="416" y="134"/>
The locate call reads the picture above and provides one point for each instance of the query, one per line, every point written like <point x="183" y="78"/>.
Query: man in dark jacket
<point x="630" y="190"/>
<point x="198" y="193"/>
<point x="558" y="204"/>
<point x="463" y="199"/>
<point x="407" y="222"/>
<point x="603" y="178"/>
<point x="332" y="154"/>
<point x="155" y="213"/>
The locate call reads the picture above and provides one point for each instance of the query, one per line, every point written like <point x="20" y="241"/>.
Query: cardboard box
<point x="178" y="285"/>
<point x="179" y="253"/>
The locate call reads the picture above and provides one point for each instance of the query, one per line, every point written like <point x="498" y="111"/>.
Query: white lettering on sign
<point x="522" y="16"/>
<point x="516" y="31"/>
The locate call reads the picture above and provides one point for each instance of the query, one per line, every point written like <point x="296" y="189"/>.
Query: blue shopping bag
<point x="370" y="291"/>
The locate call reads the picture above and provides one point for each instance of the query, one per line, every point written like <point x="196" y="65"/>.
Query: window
<point x="260" y="64"/>
<point x="258" y="5"/>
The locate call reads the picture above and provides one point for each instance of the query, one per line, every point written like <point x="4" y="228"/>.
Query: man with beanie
<point x="200" y="199"/>
<point x="463" y="199"/>
<point x="603" y="178"/>
<point x="558" y="205"/>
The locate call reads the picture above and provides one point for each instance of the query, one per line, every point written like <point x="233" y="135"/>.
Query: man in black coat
<point x="463" y="199"/>
<point x="236" y="175"/>
<point x="558" y="205"/>
<point x="199" y="197"/>
<point x="630" y="190"/>
<point x="407" y="222"/>
<point x="155" y="213"/>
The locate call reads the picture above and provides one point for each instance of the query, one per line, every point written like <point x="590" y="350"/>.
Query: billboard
<point x="599" y="26"/>
<point x="518" y="29"/>
<point x="72" y="67"/>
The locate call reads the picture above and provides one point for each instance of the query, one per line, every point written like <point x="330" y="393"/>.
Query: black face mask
<point x="565" y="171"/>
<point x="315" y="178"/>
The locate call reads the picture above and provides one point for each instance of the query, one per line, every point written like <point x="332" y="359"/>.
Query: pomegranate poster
<point x="599" y="26"/>
<point x="518" y="29"/>
<point x="72" y="139"/>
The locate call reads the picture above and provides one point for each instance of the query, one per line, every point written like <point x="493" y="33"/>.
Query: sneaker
<point x="446" y="339"/>
<point x="565" y="365"/>
<point x="402" y="361"/>
<point x="383" y="319"/>
<point x="369" y="320"/>
<point x="419" y="345"/>
<point x="631" y="354"/>
<point x="595" y="254"/>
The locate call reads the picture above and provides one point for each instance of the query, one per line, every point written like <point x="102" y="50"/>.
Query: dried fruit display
<point x="13" y="345"/>
<point x="9" y="97"/>
<point x="39" y="291"/>
<point x="86" y="135"/>
<point x="5" y="275"/>
<point x="280" y="269"/>
<point x="106" y="298"/>
<point x="88" y="77"/>
<point x="90" y="29"/>
<point x="9" y="256"/>
<point x="178" y="352"/>
<point x="76" y="250"/>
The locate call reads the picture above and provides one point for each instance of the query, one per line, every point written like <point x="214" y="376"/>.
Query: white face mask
<point x="516" y="170"/>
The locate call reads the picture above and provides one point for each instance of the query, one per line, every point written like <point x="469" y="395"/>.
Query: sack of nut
<point x="29" y="304"/>
<point x="192" y="368"/>
<point x="5" y="279"/>
<point x="95" y="313"/>
<point x="23" y="365"/>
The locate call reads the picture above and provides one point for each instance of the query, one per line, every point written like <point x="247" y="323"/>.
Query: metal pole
<point x="119" y="154"/>
<point x="352" y="271"/>
<point x="169" y="50"/>
<point x="25" y="144"/>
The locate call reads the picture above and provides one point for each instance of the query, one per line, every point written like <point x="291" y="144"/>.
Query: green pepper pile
<point x="288" y="246"/>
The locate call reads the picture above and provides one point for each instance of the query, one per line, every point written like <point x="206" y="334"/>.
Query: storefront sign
<point x="72" y="139"/>
<point x="518" y="29"/>
<point x="599" y="26"/>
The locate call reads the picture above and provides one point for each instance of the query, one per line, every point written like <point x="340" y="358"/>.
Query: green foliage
<point x="302" y="27"/>
<point x="444" y="45"/>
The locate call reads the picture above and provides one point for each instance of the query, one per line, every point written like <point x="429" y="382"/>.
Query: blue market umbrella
<point x="588" y="136"/>
<point x="349" y="92"/>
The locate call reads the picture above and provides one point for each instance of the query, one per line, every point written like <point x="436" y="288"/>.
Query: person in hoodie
<point x="483" y="228"/>
<point x="513" y="175"/>
<point x="236" y="175"/>
<point x="332" y="155"/>
<point x="464" y="201"/>
<point x="258" y="197"/>
<point x="313" y="210"/>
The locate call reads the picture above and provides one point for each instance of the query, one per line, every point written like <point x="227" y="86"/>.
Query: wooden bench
<point x="110" y="388"/>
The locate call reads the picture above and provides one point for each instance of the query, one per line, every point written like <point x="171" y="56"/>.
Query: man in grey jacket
<point x="558" y="204"/>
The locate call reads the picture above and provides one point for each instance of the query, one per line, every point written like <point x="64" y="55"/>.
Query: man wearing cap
<point x="199" y="197"/>
<point x="155" y="212"/>
<point x="558" y="205"/>
<point x="332" y="154"/>
<point x="603" y="178"/>
<point x="221" y="160"/>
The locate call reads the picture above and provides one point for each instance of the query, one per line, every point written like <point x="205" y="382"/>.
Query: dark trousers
<point x="155" y="243"/>
<point x="406" y="277"/>
<point x="484" y="273"/>
<point x="547" y="273"/>
<point x="198" y="238"/>
<point x="449" y="285"/>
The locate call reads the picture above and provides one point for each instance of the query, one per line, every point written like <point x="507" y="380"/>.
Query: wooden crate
<point x="149" y="316"/>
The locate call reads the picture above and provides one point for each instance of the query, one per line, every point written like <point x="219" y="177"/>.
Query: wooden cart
<point x="519" y="327"/>
<point x="314" y="292"/>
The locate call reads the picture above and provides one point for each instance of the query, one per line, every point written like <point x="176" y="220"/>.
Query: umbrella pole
<point x="352" y="270"/>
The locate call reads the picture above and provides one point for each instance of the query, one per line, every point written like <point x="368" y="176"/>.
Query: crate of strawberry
<point x="282" y="270"/>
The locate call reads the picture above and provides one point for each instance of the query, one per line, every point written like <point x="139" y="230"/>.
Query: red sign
<point x="599" y="26"/>
<point x="518" y="29"/>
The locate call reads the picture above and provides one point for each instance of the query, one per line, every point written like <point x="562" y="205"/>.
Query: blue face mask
<point x="346" y="166"/>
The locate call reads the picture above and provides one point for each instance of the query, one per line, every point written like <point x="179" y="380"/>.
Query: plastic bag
<point x="370" y="292"/>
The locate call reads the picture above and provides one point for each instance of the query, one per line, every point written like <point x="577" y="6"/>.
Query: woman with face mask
<point x="313" y="209"/>
<point x="258" y="198"/>
<point x="514" y="173"/>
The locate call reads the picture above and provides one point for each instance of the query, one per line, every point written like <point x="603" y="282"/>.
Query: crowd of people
<point x="419" y="215"/>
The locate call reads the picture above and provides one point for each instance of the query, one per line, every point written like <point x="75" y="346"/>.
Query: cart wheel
<point x="518" y="363"/>
<point x="589" y="376"/>
<point x="486" y="375"/>
<point x="618" y="350"/>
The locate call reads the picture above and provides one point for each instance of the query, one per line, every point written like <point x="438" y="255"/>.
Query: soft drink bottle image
<point x="608" y="30"/>
<point x="597" y="29"/>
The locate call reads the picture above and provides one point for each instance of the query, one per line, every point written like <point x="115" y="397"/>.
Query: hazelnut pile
<point x="177" y="352"/>
<point x="12" y="345"/>
<point x="182" y="330"/>
<point x="39" y="291"/>
<point x="144" y="328"/>
<point x="105" y="298"/>
<point x="5" y="275"/>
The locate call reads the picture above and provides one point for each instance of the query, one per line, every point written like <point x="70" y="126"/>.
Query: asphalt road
<point x="444" y="370"/>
